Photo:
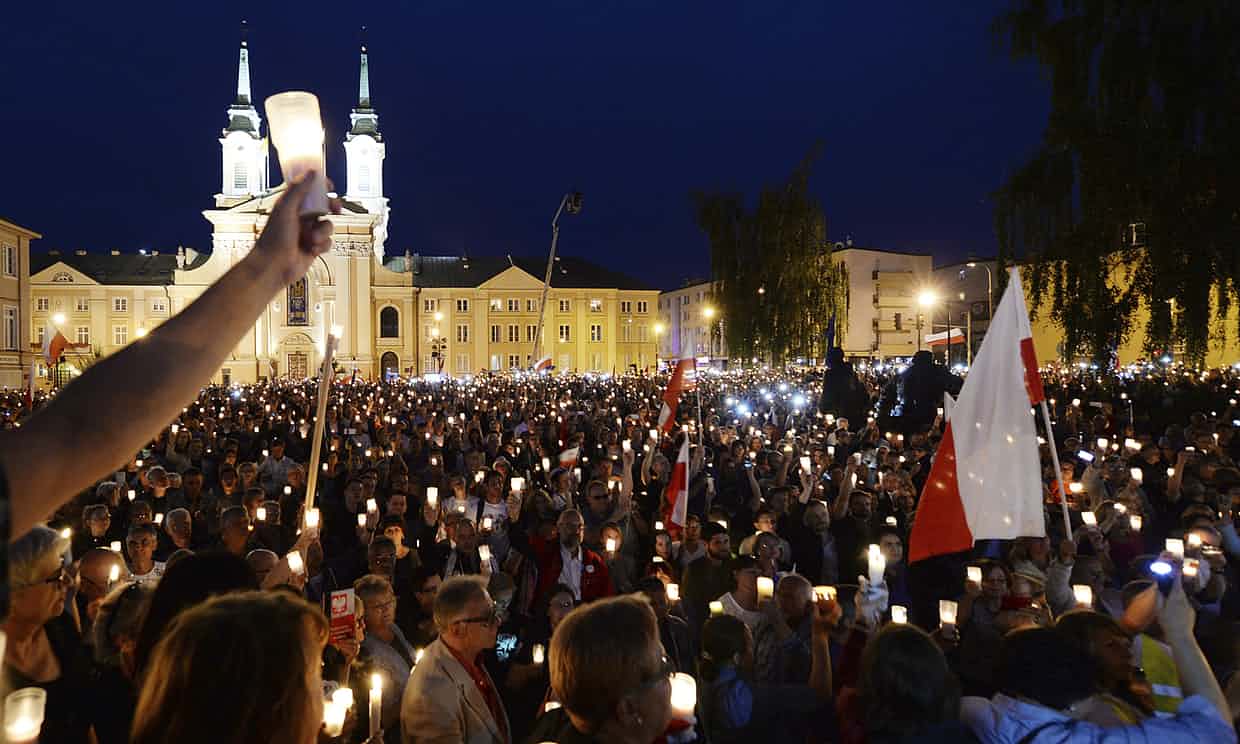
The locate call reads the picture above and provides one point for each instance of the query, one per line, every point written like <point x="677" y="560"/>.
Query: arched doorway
<point x="299" y="356"/>
<point x="389" y="364"/>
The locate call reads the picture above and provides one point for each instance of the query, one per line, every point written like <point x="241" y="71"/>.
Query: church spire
<point x="363" y="119"/>
<point x="242" y="116"/>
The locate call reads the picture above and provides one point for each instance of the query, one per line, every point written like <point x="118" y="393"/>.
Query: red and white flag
<point x="986" y="480"/>
<point x="683" y="380"/>
<point x="544" y="364"/>
<point x="568" y="458"/>
<point x="677" y="493"/>
<point x="54" y="344"/>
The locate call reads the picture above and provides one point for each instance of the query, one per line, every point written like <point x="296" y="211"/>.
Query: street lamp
<point x="571" y="203"/>
<point x="709" y="313"/>
<point x="926" y="299"/>
<point x="990" y="291"/>
<point x="58" y="319"/>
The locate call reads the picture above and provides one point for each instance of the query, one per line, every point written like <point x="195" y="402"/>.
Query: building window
<point x="226" y="375"/>
<point x="40" y="334"/>
<point x="596" y="306"/>
<point x="40" y="304"/>
<point x="120" y="335"/>
<point x="565" y="362"/>
<point x="240" y="178"/>
<point x="495" y="361"/>
<point x="429" y="306"/>
<point x="495" y="335"/>
<point x="389" y="322"/>
<point x="531" y="333"/>
<point x="531" y="305"/>
<point x="462" y="362"/>
<point x="514" y="361"/>
<point x="497" y="305"/>
<point x="514" y="334"/>
<point x="596" y="361"/>
<point x="565" y="335"/>
<point x="83" y="335"/>
<point x="462" y="334"/>
<point x="363" y="175"/>
<point x="81" y="305"/>
<point x="626" y="307"/>
<point x="10" y="327"/>
<point x="462" y="306"/>
<point x="626" y="332"/>
<point x="159" y="306"/>
<point x="566" y="305"/>
<point x="8" y="259"/>
<point x="596" y="332"/>
<point x="643" y="307"/>
<point x="642" y="332"/>
<point x="120" y="304"/>
<point x="899" y="321"/>
<point x="514" y="306"/>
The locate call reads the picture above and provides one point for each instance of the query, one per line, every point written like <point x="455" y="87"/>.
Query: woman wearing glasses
<point x="44" y="648"/>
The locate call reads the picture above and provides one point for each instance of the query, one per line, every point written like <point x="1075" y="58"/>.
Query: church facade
<point x="401" y="312"/>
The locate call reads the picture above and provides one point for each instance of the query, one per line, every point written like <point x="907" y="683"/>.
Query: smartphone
<point x="1085" y="456"/>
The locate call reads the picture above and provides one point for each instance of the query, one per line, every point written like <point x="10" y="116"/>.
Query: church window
<point x="241" y="180"/>
<point x="389" y="323"/>
<point x="297" y="312"/>
<point x="363" y="176"/>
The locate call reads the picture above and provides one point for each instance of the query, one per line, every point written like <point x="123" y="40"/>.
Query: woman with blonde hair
<point x="241" y="668"/>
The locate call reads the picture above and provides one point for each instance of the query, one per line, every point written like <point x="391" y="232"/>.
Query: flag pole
<point x="1063" y="494"/>
<point x="697" y="391"/>
<point x="316" y="445"/>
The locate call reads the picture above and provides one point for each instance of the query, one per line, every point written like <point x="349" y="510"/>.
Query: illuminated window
<point x="462" y="334"/>
<point x="596" y="333"/>
<point x="596" y="306"/>
<point x="40" y="304"/>
<point x="120" y="304"/>
<point x="462" y="306"/>
<point x="497" y="305"/>
<point x="83" y="334"/>
<point x="565" y="335"/>
<point x="566" y="305"/>
<point x="120" y="335"/>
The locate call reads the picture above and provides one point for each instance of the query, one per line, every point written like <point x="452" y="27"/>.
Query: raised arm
<point x="108" y="413"/>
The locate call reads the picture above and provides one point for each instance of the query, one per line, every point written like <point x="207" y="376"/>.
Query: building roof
<point x="9" y="225"/>
<point x="570" y="272"/>
<point x="124" y="268"/>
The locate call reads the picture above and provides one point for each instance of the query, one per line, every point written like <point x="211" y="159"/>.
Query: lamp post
<point x="990" y="291"/>
<point x="658" y="342"/>
<point x="926" y="299"/>
<point x="571" y="203"/>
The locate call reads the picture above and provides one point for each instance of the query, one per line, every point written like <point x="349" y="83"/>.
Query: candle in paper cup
<point x="114" y="574"/>
<point x="261" y="514"/>
<point x="1075" y="487"/>
<point x="551" y="705"/>
<point x="826" y="593"/>
<point x="1193" y="540"/>
<point x="899" y="614"/>
<point x="115" y="546"/>
<point x="1103" y="443"/>
<point x="1120" y="508"/>
<point x="487" y="523"/>
<point x="539" y="654"/>
<point x="296" y="129"/>
<point x="716" y="608"/>
<point x="518" y="484"/>
<point x="1089" y="518"/>
<point x="23" y="714"/>
<point x="610" y="545"/>
<point x="684" y="696"/>
<point x="132" y="494"/>
<point x="478" y="476"/>
<point x="1170" y="472"/>
<point x="343" y="696"/>
<point x="1084" y="595"/>
<point x="432" y="496"/>
<point x="288" y="490"/>
<point x="766" y="588"/>
<point x="361" y="520"/>
<point x="805" y="463"/>
<point x="1137" y="474"/>
<point x="372" y="505"/>
<point x="658" y="525"/>
<point x="1135" y="522"/>
<point x="626" y="445"/>
<point x="974" y="574"/>
<point x="484" y="553"/>
<point x="947" y="612"/>
<point x="1175" y="547"/>
<point x="1190" y="568"/>
<point x="295" y="564"/>
<point x="334" y="714"/>
<point x="159" y="518"/>
<point x="673" y="592"/>
<point x="546" y="464"/>
<point x="138" y="462"/>
<point x="878" y="565"/>
<point x="312" y="519"/>
<point x="654" y="433"/>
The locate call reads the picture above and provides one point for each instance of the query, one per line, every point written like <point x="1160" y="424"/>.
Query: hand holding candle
<point x="376" y="703"/>
<point x="23" y="714"/>
<point x="878" y="565"/>
<point x="296" y="128"/>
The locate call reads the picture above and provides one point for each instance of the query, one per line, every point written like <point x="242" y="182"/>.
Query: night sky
<point x="492" y="110"/>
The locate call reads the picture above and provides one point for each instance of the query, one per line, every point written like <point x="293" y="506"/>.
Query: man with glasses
<point x="143" y="568"/>
<point x="450" y="696"/>
<point x="564" y="560"/>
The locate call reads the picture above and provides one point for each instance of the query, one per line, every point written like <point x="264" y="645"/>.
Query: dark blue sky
<point x="491" y="110"/>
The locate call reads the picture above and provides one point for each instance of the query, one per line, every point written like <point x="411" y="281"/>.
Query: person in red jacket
<point x="564" y="560"/>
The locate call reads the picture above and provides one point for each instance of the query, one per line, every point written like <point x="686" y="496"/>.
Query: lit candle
<point x="1175" y="548"/>
<point x="673" y="592"/>
<point x="947" y="615"/>
<point x="116" y="546"/>
<point x="296" y="129"/>
<point x="684" y="696"/>
<point x="1135" y="522"/>
<point x="878" y="565"/>
<point x="260" y="514"/>
<point x="131" y="494"/>
<point x="539" y="654"/>
<point x="611" y="545"/>
<point x="824" y="593"/>
<point x="333" y="716"/>
<point x="1084" y="595"/>
<point x="654" y="433"/>
<point x="1194" y="540"/>
<point x="1103" y="443"/>
<point x="716" y="608"/>
<point x="974" y="574"/>
<point x="114" y="575"/>
<point x="805" y="464"/>
<point x="1137" y="474"/>
<point x="1075" y="487"/>
<point x="432" y="496"/>
<point x="626" y="445"/>
<point x="518" y="484"/>
<point x="487" y="523"/>
<point x="1170" y="472"/>
<point x="23" y="714"/>
<point x="376" y="703"/>
<point x="372" y="506"/>
<point x="361" y="520"/>
<point x="1089" y="518"/>
<point x="766" y="588"/>
<point x="312" y="519"/>
<point x="478" y="476"/>
<point x="546" y="464"/>
<point x="295" y="564"/>
<point x="343" y="696"/>
<point x="1190" y="568"/>
<point x="658" y="525"/>
<point x="551" y="705"/>
<point x="67" y="533"/>
<point x="899" y="614"/>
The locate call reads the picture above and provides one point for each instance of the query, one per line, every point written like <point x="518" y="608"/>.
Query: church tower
<point x="244" y="149"/>
<point x="364" y="152"/>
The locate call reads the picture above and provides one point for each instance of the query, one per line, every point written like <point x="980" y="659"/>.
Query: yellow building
<point x="15" y="353"/>
<point x="1048" y="336"/>
<point x="403" y="314"/>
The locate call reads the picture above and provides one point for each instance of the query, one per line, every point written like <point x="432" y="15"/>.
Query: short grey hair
<point x="27" y="552"/>
<point x="120" y="615"/>
<point x="370" y="586"/>
<point x="453" y="595"/>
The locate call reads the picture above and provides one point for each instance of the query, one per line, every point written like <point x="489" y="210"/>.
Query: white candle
<point x="1190" y="568"/>
<point x="766" y="588"/>
<point x="295" y="564"/>
<point x="1089" y="518"/>
<point x="611" y="544"/>
<point x="116" y="546"/>
<point x="114" y="574"/>
<point x="333" y="717"/>
<point x="1084" y="595"/>
<point x="974" y="574"/>
<point x="23" y="714"/>
<point x="432" y="496"/>
<point x="1135" y="522"/>
<point x="716" y="608"/>
<point x="296" y="129"/>
<point x="1175" y="548"/>
<point x="343" y="696"/>
<point x="947" y="612"/>
<point x="878" y="565"/>
<point x="673" y="592"/>
<point x="260" y="514"/>
<point x="312" y="519"/>
<point x="899" y="614"/>
<point x="1137" y="474"/>
<point x="539" y="653"/>
<point x="518" y="484"/>
<point x="684" y="696"/>
<point x="376" y="703"/>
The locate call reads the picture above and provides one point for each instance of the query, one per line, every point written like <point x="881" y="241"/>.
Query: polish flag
<point x="544" y="364"/>
<point x="54" y="344"/>
<point x="677" y="493"/>
<point x="986" y="479"/>
<point x="568" y="458"/>
<point x="683" y="380"/>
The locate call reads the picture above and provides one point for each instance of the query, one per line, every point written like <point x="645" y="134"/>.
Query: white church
<point x="402" y="313"/>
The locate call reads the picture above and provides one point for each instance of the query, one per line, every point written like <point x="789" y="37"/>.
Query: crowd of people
<point x="498" y="559"/>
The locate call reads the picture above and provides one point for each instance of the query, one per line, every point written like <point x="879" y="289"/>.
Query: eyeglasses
<point x="665" y="671"/>
<point x="63" y="576"/>
<point x="491" y="618"/>
<point x="564" y="605"/>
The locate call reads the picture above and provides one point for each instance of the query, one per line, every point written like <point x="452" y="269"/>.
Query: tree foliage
<point x="1142" y="141"/>
<point x="775" y="281"/>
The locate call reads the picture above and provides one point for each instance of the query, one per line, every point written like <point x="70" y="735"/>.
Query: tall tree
<point x="775" y="281"/>
<point x="1136" y="169"/>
